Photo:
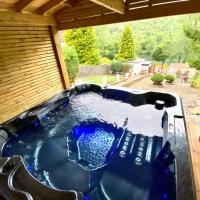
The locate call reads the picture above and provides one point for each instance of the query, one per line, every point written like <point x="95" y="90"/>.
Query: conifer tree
<point x="127" y="47"/>
<point x="85" y="42"/>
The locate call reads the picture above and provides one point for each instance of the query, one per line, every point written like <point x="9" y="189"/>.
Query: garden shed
<point x="32" y="67"/>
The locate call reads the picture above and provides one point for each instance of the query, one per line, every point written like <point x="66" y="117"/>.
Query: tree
<point x="71" y="61"/>
<point x="192" y="32"/>
<point x="148" y="35"/>
<point x="127" y="47"/>
<point x="85" y="42"/>
<point x="107" y="42"/>
<point x="176" y="49"/>
<point x="158" y="32"/>
<point x="176" y="45"/>
<point x="146" y="46"/>
<point x="159" y="55"/>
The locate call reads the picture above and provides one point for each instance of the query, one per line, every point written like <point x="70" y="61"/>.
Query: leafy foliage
<point x="105" y="60"/>
<point x="157" y="78"/>
<point x="71" y="61"/>
<point x="148" y="34"/>
<point x="108" y="41"/>
<point x="159" y="54"/>
<point x="116" y="65"/>
<point x="127" y="49"/>
<point x="85" y="42"/>
<point x="166" y="40"/>
<point x="195" y="81"/>
<point x="170" y="78"/>
<point x="192" y="32"/>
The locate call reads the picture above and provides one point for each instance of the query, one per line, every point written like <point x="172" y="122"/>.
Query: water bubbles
<point x="21" y="142"/>
<point x="94" y="146"/>
<point x="28" y="147"/>
<point x="92" y="143"/>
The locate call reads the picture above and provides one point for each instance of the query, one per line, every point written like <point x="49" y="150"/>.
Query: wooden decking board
<point x="193" y="136"/>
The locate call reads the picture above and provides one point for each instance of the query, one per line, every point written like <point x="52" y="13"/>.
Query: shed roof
<point x="80" y="13"/>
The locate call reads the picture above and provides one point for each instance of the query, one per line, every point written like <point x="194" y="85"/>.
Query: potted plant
<point x="157" y="78"/>
<point x="169" y="78"/>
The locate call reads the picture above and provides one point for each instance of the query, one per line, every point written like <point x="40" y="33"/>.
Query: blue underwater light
<point x="164" y="196"/>
<point x="29" y="168"/>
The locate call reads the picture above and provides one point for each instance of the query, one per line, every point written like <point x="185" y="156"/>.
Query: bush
<point x="126" y="68"/>
<point x="72" y="62"/>
<point x="157" y="78"/>
<point x="170" y="78"/>
<point x="116" y="66"/>
<point x="195" y="81"/>
<point x="105" y="60"/>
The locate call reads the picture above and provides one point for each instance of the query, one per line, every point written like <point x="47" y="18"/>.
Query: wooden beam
<point x="52" y="6"/>
<point x="97" y="10"/>
<point x="136" y="14"/>
<point x="166" y="1"/>
<point x="60" y="57"/>
<point x="80" y="5"/>
<point x="10" y="17"/>
<point x="21" y="5"/>
<point x="114" y="5"/>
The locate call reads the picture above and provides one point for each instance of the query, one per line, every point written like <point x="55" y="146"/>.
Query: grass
<point x="99" y="79"/>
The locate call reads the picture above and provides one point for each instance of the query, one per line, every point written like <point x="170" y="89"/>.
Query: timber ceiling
<point x="80" y="13"/>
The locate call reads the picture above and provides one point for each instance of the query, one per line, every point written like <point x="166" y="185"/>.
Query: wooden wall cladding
<point x="29" y="72"/>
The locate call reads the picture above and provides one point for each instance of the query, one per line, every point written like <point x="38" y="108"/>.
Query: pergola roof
<point x="80" y="13"/>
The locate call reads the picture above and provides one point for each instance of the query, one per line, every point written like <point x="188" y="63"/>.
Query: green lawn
<point x="99" y="79"/>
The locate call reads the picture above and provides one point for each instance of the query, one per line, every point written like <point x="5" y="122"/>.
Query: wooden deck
<point x="193" y="125"/>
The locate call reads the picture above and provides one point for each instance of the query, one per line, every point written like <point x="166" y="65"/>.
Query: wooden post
<point x="59" y="56"/>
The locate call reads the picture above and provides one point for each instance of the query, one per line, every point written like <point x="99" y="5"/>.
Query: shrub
<point x="105" y="60"/>
<point x="71" y="61"/>
<point x="157" y="78"/>
<point x="170" y="78"/>
<point x="195" y="81"/>
<point x="126" y="67"/>
<point x="116" y="66"/>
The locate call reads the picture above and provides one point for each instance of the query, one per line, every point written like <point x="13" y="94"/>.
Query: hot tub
<point x="101" y="144"/>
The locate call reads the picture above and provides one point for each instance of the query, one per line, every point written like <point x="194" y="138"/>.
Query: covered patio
<point x="32" y="67"/>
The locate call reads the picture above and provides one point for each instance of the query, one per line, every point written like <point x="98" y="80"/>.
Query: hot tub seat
<point x="18" y="184"/>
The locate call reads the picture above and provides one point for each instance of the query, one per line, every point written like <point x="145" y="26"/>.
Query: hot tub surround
<point x="112" y="138"/>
